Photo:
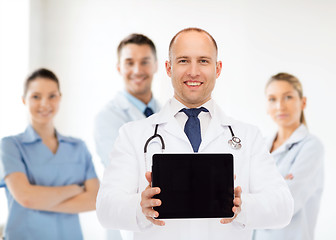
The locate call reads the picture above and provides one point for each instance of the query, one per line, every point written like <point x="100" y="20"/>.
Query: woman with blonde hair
<point x="298" y="155"/>
<point x="49" y="178"/>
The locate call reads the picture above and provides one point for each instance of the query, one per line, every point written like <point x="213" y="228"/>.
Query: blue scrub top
<point x="72" y="164"/>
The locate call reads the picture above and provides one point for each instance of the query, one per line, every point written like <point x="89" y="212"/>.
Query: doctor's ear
<point x="118" y="67"/>
<point x="303" y="103"/>
<point x="218" y="68"/>
<point x="168" y="68"/>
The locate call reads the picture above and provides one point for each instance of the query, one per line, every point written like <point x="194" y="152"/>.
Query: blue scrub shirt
<point x="72" y="164"/>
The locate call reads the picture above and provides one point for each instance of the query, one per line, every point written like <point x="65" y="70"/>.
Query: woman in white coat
<point x="298" y="155"/>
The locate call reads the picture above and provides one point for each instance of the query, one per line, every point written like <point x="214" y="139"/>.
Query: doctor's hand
<point x="237" y="206"/>
<point x="148" y="202"/>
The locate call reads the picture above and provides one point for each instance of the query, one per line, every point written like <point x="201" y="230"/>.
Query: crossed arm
<point x="67" y="199"/>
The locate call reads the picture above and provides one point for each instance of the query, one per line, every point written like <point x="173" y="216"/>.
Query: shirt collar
<point x="138" y="103"/>
<point x="298" y="135"/>
<point x="176" y="106"/>
<point x="62" y="138"/>
<point x="31" y="136"/>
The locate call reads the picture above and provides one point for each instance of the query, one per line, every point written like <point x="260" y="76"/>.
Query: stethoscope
<point x="234" y="142"/>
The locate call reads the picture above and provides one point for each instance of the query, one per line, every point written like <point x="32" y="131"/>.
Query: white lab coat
<point x="116" y="113"/>
<point x="301" y="155"/>
<point x="267" y="202"/>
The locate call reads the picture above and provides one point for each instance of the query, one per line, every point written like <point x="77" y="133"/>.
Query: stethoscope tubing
<point x="235" y="142"/>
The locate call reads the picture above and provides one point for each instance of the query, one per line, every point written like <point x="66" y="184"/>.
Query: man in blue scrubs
<point x="137" y="64"/>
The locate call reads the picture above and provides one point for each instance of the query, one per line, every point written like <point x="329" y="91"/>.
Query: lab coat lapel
<point x="128" y="107"/>
<point x="300" y="133"/>
<point x="167" y="121"/>
<point x="216" y="127"/>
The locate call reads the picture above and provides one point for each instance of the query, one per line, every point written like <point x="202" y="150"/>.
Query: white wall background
<point x="78" y="40"/>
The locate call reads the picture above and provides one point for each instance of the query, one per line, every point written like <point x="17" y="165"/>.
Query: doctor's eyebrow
<point x="182" y="57"/>
<point x="288" y="92"/>
<point x="285" y="93"/>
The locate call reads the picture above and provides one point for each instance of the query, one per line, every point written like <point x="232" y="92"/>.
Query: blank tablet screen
<point x="196" y="185"/>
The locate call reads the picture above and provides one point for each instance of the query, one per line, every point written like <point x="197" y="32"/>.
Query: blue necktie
<point x="192" y="127"/>
<point x="148" y="111"/>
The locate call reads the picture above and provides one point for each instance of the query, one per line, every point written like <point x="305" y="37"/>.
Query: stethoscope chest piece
<point x="235" y="142"/>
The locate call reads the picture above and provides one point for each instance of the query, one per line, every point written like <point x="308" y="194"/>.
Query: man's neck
<point x="145" y="98"/>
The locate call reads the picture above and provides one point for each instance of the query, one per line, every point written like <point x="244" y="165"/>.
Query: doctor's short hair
<point x="189" y="30"/>
<point x="138" y="39"/>
<point x="294" y="82"/>
<point x="40" y="73"/>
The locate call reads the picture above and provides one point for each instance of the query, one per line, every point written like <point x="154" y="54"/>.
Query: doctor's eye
<point x="145" y="62"/>
<point x="35" y="97"/>
<point x="271" y="99"/>
<point x="182" y="61"/>
<point x="128" y="64"/>
<point x="288" y="97"/>
<point x="52" y="96"/>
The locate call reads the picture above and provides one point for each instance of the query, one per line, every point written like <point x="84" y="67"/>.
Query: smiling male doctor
<point x="262" y="198"/>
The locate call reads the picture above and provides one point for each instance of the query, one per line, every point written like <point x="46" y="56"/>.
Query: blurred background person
<point x="49" y="177"/>
<point x="298" y="155"/>
<point x="137" y="64"/>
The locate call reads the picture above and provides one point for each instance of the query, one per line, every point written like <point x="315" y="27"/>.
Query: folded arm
<point x="307" y="171"/>
<point x="85" y="201"/>
<point x="38" y="197"/>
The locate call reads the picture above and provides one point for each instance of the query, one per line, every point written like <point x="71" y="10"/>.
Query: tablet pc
<point x="196" y="185"/>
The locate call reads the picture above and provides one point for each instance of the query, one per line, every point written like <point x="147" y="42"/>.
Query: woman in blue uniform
<point x="49" y="178"/>
<point x="298" y="155"/>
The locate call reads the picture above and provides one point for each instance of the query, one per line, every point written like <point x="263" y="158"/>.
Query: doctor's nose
<point x="136" y="68"/>
<point x="194" y="70"/>
<point x="44" y="101"/>
<point x="280" y="104"/>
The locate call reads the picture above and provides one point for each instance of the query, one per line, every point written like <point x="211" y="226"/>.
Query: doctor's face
<point x="193" y="68"/>
<point x="284" y="104"/>
<point x="42" y="100"/>
<point x="137" y="65"/>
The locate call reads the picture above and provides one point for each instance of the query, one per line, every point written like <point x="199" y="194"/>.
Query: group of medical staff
<point x="50" y="178"/>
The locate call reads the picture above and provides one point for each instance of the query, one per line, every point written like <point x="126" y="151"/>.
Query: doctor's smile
<point x="193" y="84"/>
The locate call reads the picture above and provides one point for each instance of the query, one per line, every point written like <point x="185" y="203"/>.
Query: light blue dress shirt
<point x="301" y="155"/>
<point x="72" y="164"/>
<point x="139" y="104"/>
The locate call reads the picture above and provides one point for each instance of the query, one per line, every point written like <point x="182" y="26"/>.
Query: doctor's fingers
<point x="148" y="176"/>
<point x="149" y="212"/>
<point x="237" y="202"/>
<point x="149" y="203"/>
<point x="236" y="210"/>
<point x="237" y="192"/>
<point x="156" y="222"/>
<point x="149" y="192"/>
